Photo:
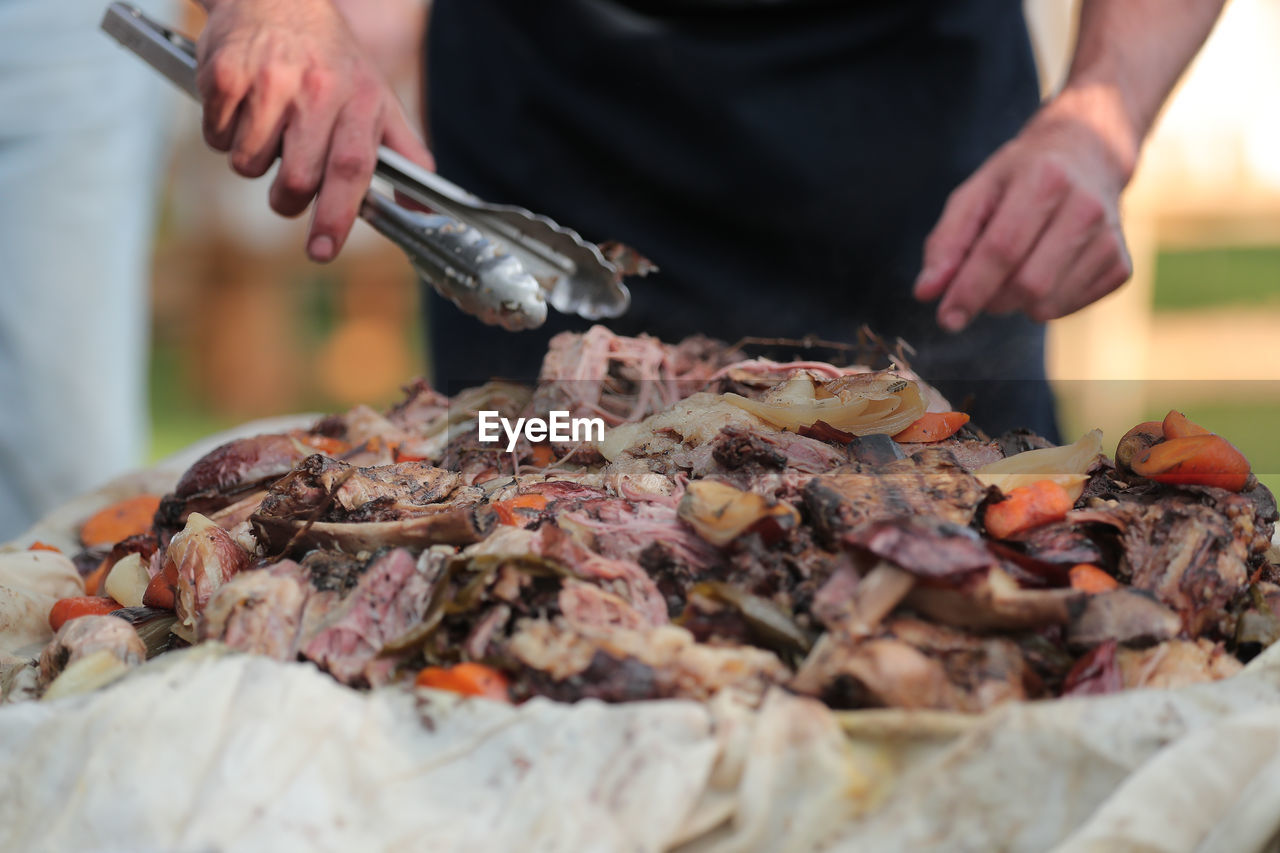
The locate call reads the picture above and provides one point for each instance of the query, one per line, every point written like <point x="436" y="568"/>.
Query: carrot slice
<point x="93" y="580"/>
<point x="324" y="444"/>
<point x="66" y="609"/>
<point x="43" y="546"/>
<point x="1086" y="577"/>
<point x="469" y="679"/>
<point x="507" y="510"/>
<point x="1042" y="502"/>
<point x="1196" y="460"/>
<point x="120" y="521"/>
<point x="1176" y="425"/>
<point x="542" y="455"/>
<point x="933" y="426"/>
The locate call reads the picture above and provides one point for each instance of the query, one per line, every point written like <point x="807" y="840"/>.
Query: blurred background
<point x="245" y="327"/>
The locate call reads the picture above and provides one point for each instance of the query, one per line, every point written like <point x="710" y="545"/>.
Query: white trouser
<point x="82" y="127"/>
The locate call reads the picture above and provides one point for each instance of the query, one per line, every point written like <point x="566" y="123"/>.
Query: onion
<point x="127" y="580"/>
<point x="720" y="513"/>
<point x="1067" y="466"/>
<point x="861" y="404"/>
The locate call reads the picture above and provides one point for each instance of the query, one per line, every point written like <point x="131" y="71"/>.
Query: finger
<point x="347" y="172"/>
<point x="400" y="137"/>
<point x="1006" y="301"/>
<point x="966" y="212"/>
<point x="1021" y="218"/>
<point x="263" y="115"/>
<point x="1099" y="269"/>
<point x="1075" y="225"/>
<point x="304" y="148"/>
<point x="222" y="81"/>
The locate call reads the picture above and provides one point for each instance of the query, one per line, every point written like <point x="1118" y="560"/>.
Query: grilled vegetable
<point x="1067" y="466"/>
<point x="120" y="521"/>
<point x="469" y="679"/>
<point x="1196" y="460"/>
<point x="933" y="426"/>
<point x="1027" y="507"/>
<point x="66" y="609"/>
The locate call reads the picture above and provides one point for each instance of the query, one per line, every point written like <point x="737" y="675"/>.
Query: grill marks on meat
<point x="930" y="483"/>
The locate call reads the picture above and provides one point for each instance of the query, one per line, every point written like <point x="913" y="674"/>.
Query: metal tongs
<point x="502" y="263"/>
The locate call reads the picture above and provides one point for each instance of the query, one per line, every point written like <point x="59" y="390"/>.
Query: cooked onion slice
<point x="1067" y="466"/>
<point x="861" y="404"/>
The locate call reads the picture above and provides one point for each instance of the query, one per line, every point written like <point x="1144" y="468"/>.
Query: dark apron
<point x="781" y="162"/>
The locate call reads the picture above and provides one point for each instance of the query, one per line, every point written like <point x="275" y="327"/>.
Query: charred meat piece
<point x="1193" y="557"/>
<point x="341" y="492"/>
<point x="930" y="483"/>
<point x="328" y="504"/>
<point x="1124" y="615"/>
<point x="226" y="473"/>
<point x="970" y="453"/>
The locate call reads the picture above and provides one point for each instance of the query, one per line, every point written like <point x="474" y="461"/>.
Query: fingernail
<point x="954" y="320"/>
<point x="320" y="248"/>
<point x="925" y="279"/>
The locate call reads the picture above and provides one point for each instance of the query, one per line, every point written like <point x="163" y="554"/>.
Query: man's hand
<point x="1036" y="229"/>
<point x="285" y="78"/>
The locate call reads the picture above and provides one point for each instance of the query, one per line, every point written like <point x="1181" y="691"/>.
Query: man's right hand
<point x="285" y="78"/>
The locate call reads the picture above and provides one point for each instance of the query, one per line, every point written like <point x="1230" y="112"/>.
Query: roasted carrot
<point x="43" y="546"/>
<point x="400" y="454"/>
<point x="542" y="455"/>
<point x="1026" y="507"/>
<point x="324" y="444"/>
<point x="162" y="591"/>
<point x="1196" y="460"/>
<point x="1176" y="425"/>
<point x="507" y="510"/>
<point x="469" y="679"/>
<point x="933" y="426"/>
<point x="120" y="520"/>
<point x="1086" y="577"/>
<point x="93" y="580"/>
<point x="66" y="609"/>
<point x="1137" y="441"/>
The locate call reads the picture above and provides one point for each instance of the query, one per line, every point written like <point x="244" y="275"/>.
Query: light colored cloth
<point x="81" y="151"/>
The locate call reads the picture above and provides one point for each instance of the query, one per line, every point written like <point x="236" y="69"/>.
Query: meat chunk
<point x="257" y="612"/>
<point x="930" y="483"/>
<point x="915" y="664"/>
<point x="391" y="598"/>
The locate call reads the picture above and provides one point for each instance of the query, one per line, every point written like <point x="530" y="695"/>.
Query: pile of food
<point x="744" y="524"/>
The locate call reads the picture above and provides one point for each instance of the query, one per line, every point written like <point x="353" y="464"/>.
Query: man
<point x="781" y="160"/>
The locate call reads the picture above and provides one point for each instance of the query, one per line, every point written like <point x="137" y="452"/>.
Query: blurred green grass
<point x="1213" y="278"/>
